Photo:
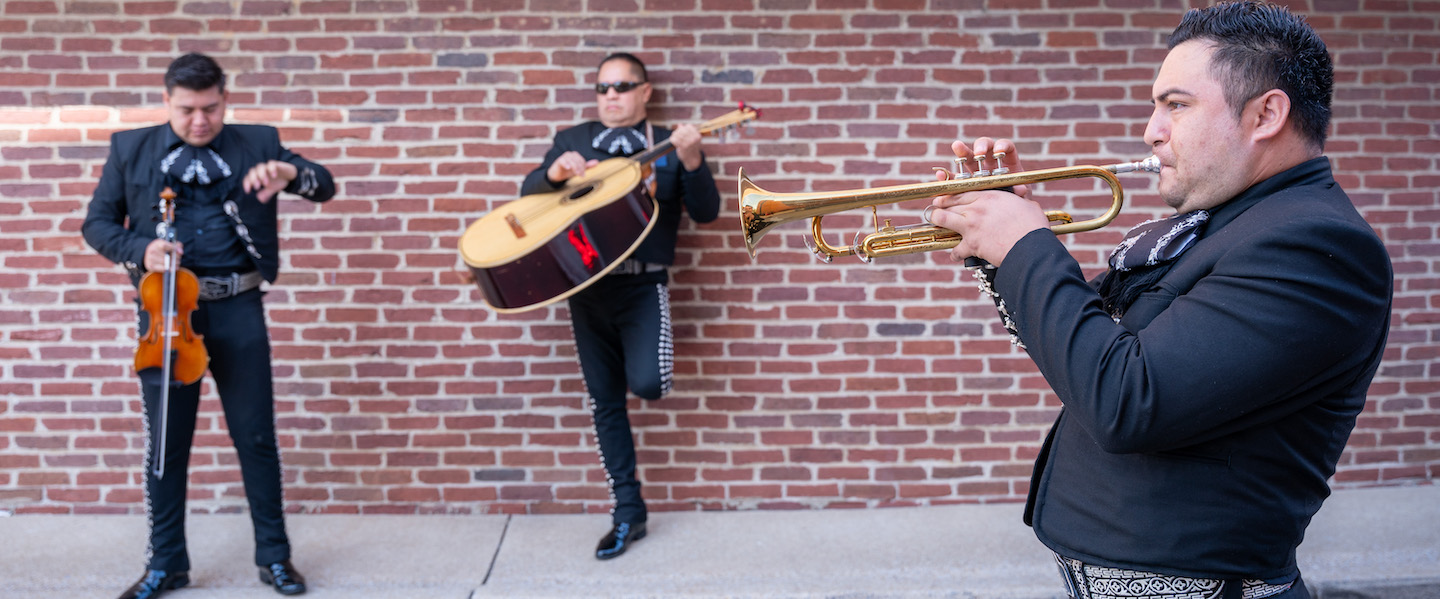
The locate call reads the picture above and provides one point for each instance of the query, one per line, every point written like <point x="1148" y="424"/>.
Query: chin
<point x="1170" y="196"/>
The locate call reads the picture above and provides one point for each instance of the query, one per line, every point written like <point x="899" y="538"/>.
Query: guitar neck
<point x="726" y="122"/>
<point x="654" y="153"/>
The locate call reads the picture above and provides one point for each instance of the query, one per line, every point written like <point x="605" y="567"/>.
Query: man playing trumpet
<point x="1211" y="377"/>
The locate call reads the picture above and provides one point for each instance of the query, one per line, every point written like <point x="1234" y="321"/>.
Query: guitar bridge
<point x="515" y="225"/>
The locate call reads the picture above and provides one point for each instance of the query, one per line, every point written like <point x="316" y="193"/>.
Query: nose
<point x="1157" y="131"/>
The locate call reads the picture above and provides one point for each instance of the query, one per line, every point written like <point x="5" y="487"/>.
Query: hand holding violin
<point x="155" y="254"/>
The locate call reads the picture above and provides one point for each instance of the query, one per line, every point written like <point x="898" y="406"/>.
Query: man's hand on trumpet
<point x="989" y="222"/>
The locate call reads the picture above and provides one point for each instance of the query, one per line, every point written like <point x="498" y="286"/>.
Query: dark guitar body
<point x="580" y="254"/>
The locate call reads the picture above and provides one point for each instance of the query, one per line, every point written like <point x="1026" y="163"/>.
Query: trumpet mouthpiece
<point x="1148" y="165"/>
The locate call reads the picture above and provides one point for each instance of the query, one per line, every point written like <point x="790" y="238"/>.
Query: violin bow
<point x="167" y="207"/>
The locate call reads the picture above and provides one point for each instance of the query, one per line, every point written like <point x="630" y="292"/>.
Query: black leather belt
<point x="635" y="267"/>
<point x="1088" y="581"/>
<point x="214" y="288"/>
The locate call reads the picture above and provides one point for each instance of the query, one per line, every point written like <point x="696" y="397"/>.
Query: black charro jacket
<point x="123" y="212"/>
<point x="1198" y="432"/>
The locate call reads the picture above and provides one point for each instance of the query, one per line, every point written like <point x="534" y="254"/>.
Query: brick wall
<point x="799" y="384"/>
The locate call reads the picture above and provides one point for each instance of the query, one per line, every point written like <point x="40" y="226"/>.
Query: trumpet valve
<point x="981" y="171"/>
<point x="999" y="166"/>
<point x="960" y="172"/>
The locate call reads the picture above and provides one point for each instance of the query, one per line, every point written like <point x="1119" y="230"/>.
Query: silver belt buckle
<point x="213" y="288"/>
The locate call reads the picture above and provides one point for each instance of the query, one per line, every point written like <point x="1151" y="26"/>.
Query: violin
<point x="169" y="298"/>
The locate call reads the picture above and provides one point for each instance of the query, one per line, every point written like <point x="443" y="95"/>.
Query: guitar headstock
<point x="730" y="122"/>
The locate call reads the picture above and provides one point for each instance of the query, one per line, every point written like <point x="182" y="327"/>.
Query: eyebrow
<point x="1160" y="99"/>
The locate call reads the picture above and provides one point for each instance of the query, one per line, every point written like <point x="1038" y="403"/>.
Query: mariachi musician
<point x="622" y="322"/>
<point x="225" y="231"/>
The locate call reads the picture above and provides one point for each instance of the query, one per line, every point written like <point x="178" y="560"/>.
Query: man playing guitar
<point x="622" y="322"/>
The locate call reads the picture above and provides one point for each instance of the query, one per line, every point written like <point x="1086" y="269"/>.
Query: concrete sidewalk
<point x="1364" y="544"/>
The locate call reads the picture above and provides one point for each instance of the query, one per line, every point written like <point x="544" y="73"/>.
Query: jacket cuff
<point x="306" y="182"/>
<point x="1036" y="247"/>
<point x="135" y="256"/>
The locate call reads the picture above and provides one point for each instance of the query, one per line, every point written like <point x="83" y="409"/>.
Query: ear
<point x="1268" y="114"/>
<point x="165" y="97"/>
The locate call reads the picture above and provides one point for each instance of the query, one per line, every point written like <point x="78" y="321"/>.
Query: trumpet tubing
<point x="761" y="210"/>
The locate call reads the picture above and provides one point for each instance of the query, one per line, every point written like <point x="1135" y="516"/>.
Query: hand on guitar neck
<point x="686" y="139"/>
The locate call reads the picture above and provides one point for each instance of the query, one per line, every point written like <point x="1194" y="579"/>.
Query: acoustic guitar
<point x="545" y="247"/>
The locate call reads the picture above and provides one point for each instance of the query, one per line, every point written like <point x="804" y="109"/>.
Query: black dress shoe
<point x="154" y="584"/>
<point x="619" y="539"/>
<point x="283" y="577"/>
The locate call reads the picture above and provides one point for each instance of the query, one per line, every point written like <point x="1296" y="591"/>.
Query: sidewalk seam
<point x="498" y="545"/>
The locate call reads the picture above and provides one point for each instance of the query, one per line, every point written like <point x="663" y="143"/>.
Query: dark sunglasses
<point x="621" y="87"/>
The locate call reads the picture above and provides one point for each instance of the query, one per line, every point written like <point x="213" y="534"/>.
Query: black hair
<point x="194" y="71"/>
<point x="1259" y="47"/>
<point x="635" y="64"/>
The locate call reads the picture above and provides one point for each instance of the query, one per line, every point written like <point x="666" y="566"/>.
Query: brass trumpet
<point x="761" y="210"/>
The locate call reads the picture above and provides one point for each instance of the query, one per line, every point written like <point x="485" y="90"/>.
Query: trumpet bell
<point x="752" y="226"/>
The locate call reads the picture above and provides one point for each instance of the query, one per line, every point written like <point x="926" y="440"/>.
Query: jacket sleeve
<point x="702" y="198"/>
<point x="312" y="181"/>
<point x="537" y="181"/>
<point x="1286" y="309"/>
<point x="104" y="226"/>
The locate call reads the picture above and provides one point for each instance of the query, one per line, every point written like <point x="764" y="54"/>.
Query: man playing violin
<point x="1210" y="378"/>
<point x="622" y="322"/>
<point x="225" y="231"/>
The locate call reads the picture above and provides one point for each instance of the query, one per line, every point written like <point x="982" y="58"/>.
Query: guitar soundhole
<point x="582" y="192"/>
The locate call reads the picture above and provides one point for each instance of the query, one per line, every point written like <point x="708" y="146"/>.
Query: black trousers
<point x="239" y="347"/>
<point x="624" y="341"/>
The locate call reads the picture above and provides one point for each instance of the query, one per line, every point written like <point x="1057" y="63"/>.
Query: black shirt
<point x="211" y="244"/>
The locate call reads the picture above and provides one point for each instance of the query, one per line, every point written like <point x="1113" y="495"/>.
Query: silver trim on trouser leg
<point x="666" y="354"/>
<point x="1088" y="581"/>
<point x="145" y="480"/>
<point x="600" y="451"/>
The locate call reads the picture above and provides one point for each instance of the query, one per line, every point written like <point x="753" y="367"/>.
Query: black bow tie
<point x="619" y="141"/>
<point x="1158" y="241"/>
<point x="190" y="164"/>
